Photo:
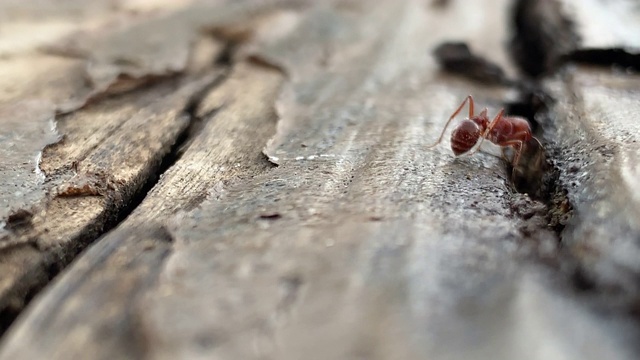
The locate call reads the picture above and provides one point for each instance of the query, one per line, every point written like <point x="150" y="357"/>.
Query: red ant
<point x="504" y="131"/>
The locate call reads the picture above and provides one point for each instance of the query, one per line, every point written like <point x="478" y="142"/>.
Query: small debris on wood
<point x="440" y="3"/>
<point x="457" y="58"/>
<point x="270" y="216"/>
<point x="83" y="186"/>
<point x="18" y="219"/>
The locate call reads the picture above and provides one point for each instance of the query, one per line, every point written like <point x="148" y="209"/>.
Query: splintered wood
<point x="269" y="157"/>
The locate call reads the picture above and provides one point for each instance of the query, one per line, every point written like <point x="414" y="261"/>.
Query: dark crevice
<point x="440" y="4"/>
<point x="117" y="210"/>
<point x="228" y="52"/>
<point x="541" y="203"/>
<point x="196" y="123"/>
<point x="569" y="270"/>
<point x="542" y="181"/>
<point x="543" y="35"/>
<point x="545" y="40"/>
<point x="21" y="297"/>
<point x="532" y="175"/>
<point x="545" y="43"/>
<point x="120" y="201"/>
<point x="165" y="162"/>
<point x="618" y="58"/>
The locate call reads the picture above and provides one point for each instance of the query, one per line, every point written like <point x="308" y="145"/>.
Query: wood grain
<point x="243" y="106"/>
<point x="67" y="176"/>
<point x="298" y="213"/>
<point x="94" y="172"/>
<point x="589" y="131"/>
<point x="358" y="244"/>
<point x="596" y="132"/>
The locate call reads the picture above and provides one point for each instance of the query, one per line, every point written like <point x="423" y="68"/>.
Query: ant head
<point x="465" y="136"/>
<point x="481" y="119"/>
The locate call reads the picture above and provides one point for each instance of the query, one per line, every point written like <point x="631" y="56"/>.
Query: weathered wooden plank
<point x="93" y="174"/>
<point x="105" y="53"/>
<point x="139" y="245"/>
<point x="83" y="165"/>
<point x="55" y="58"/>
<point x="243" y="107"/>
<point x="592" y="137"/>
<point x="60" y="198"/>
<point x="33" y="84"/>
<point x="379" y="253"/>
<point x="595" y="130"/>
<point x="359" y="244"/>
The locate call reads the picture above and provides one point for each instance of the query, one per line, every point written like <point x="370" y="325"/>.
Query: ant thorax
<point x="510" y="128"/>
<point x="481" y="120"/>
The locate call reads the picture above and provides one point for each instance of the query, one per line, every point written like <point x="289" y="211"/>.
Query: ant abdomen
<point x="465" y="136"/>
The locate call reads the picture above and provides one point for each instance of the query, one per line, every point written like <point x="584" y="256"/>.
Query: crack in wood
<point x="387" y="237"/>
<point x="549" y="39"/>
<point x="116" y="201"/>
<point x="543" y="35"/>
<point x="125" y="240"/>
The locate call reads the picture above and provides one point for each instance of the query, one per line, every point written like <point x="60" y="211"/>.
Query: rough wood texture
<point x="66" y="177"/>
<point x="598" y="135"/>
<point x="299" y="214"/>
<point x="590" y="129"/>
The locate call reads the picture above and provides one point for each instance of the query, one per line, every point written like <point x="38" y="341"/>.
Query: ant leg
<point x="493" y="123"/>
<point x="516" y="158"/>
<point x="486" y="132"/>
<point x="517" y="145"/>
<point x="516" y="161"/>
<point x="455" y="113"/>
<point x="503" y="155"/>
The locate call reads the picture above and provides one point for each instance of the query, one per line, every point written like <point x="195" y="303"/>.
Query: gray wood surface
<point x="605" y="25"/>
<point x="598" y="140"/>
<point x="56" y="199"/>
<point x="295" y="210"/>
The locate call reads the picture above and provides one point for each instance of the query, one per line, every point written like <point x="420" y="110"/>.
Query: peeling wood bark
<point x="94" y="172"/>
<point x="108" y="151"/>
<point x="20" y="148"/>
<point x="243" y="106"/>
